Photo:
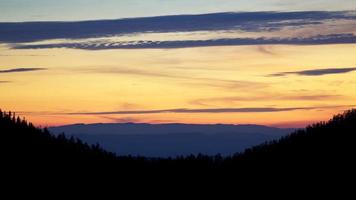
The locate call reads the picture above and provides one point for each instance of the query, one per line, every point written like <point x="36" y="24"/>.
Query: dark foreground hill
<point x="325" y="148"/>
<point x="24" y="143"/>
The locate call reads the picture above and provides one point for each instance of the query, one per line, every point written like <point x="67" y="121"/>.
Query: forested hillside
<point x="326" y="146"/>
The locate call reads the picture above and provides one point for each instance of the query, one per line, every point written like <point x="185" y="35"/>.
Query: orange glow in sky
<point x="212" y="77"/>
<point x="269" y="84"/>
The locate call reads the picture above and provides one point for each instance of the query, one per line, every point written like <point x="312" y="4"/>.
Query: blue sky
<point x="69" y="10"/>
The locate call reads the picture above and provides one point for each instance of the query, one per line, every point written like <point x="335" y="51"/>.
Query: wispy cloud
<point x="184" y="78"/>
<point x="130" y="71"/>
<point x="264" y="97"/>
<point x="23" y="55"/>
<point x="317" y="72"/>
<point x="122" y="120"/>
<point x="4" y="82"/>
<point x="15" y="70"/>
<point x="103" y="45"/>
<point x="206" y="110"/>
<point x="265" y="50"/>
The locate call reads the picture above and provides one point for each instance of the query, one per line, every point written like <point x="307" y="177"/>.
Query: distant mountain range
<point x="170" y="140"/>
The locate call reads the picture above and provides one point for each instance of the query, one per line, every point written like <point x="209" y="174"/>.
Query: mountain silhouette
<point x="171" y="140"/>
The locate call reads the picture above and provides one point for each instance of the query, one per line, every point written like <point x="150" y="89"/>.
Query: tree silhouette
<point x="325" y="146"/>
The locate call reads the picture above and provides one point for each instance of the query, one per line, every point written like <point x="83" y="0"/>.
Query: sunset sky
<point x="278" y="63"/>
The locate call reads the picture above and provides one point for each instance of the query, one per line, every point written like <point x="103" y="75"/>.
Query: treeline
<point x="325" y="145"/>
<point x="23" y="142"/>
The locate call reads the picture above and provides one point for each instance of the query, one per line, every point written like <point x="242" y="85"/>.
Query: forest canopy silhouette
<point x="322" y="145"/>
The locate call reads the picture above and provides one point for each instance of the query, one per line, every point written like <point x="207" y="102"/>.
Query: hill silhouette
<point x="170" y="140"/>
<point x="326" y="148"/>
<point x="323" y="144"/>
<point x="25" y="143"/>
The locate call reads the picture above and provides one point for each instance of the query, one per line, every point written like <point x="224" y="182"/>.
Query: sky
<point x="74" y="10"/>
<point x="277" y="63"/>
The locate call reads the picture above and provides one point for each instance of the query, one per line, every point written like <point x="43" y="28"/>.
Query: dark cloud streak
<point x="317" y="72"/>
<point x="246" y="21"/>
<point x="15" y="70"/>
<point x="207" y="110"/>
